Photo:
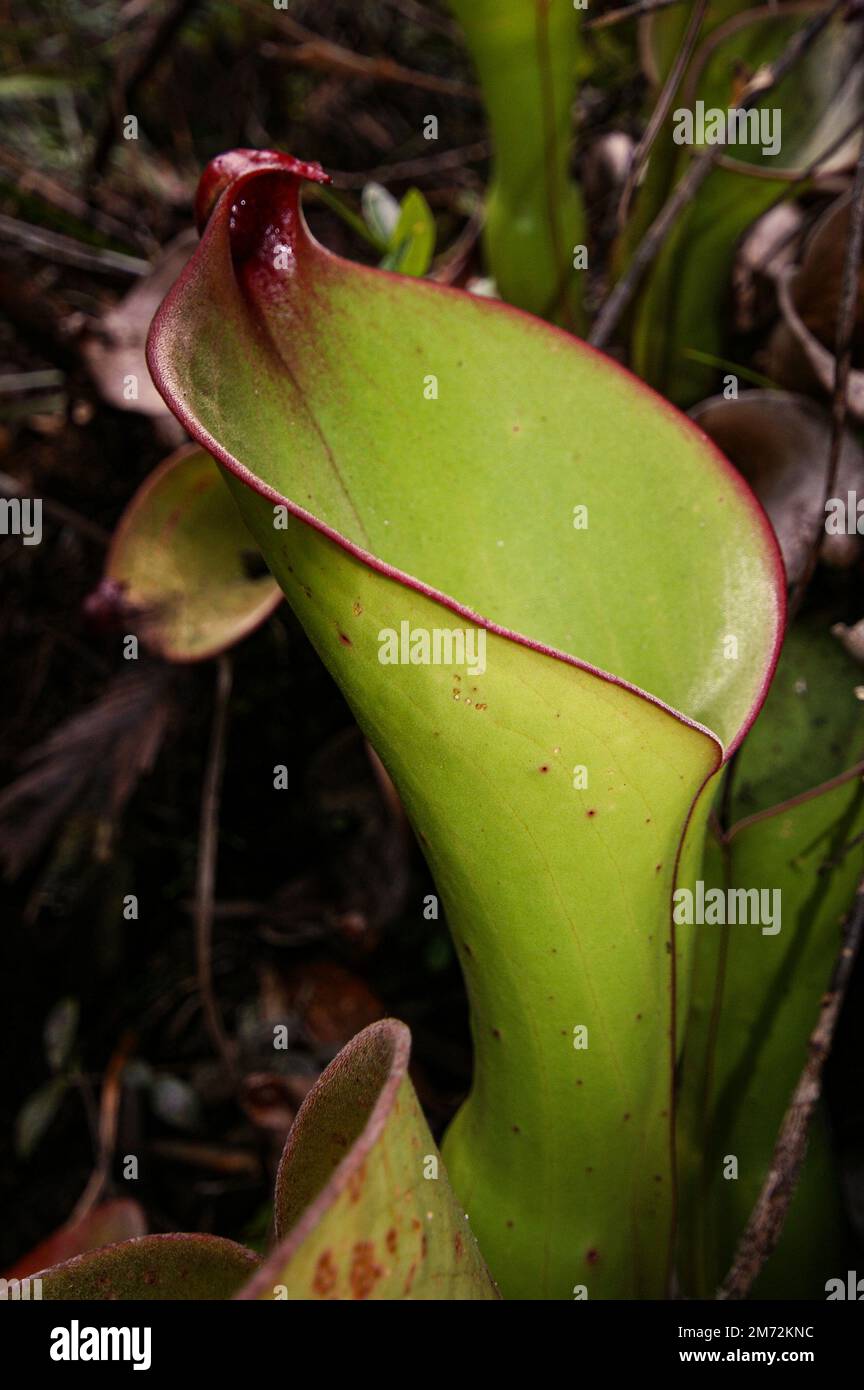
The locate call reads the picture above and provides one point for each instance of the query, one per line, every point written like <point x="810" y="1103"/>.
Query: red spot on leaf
<point x="365" y="1273"/>
<point x="325" y="1277"/>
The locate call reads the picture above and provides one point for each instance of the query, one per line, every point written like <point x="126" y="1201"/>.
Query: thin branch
<point x="844" y="329"/>
<point x="661" y="110"/>
<point x="205" y="879"/>
<point x="49" y="190"/>
<point x="131" y="79"/>
<point x="313" y="50"/>
<point x="844" y="850"/>
<point x="452" y="263"/>
<point x="321" y="54"/>
<point x="425" y="18"/>
<point x="420" y="167"/>
<point x="763" y="82"/>
<point x="765" y="1226"/>
<point x="22" y="383"/>
<point x="56" y="246"/>
<point x="109" y="1110"/>
<point x="642" y="7"/>
<point x="756" y="817"/>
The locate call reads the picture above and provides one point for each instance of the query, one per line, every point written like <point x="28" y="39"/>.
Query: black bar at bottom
<point x="256" y="1339"/>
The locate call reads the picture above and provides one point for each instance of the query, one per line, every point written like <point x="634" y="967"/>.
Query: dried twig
<point x="310" y="49"/>
<point x="316" y="52"/>
<point x="205" y="879"/>
<point x="134" y="76"/>
<point x="425" y="18"/>
<point x="844" y="329"/>
<point x="764" y="1228"/>
<point x="661" y="110"/>
<point x="636" y="11"/>
<point x="209" y="1158"/>
<point x="22" y="383"/>
<point x="109" y="1109"/>
<point x="420" y="167"/>
<point x="56" y="246"/>
<point x="453" y="262"/>
<point x="763" y="82"/>
<point x="50" y="190"/>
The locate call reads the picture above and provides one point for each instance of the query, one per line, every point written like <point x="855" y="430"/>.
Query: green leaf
<point x="756" y="994"/>
<point x="185" y="563"/>
<point x="662" y="33"/>
<point x="810" y="729"/>
<point x="21" y="86"/>
<point x="414" y="459"/>
<point x="61" y="1027"/>
<point x="37" y="1114"/>
<point x="526" y="56"/>
<point x="153" y="1268"/>
<point x="684" y="306"/>
<point x="363" y="1207"/>
<point x="380" y="212"/>
<point x="411" y="244"/>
